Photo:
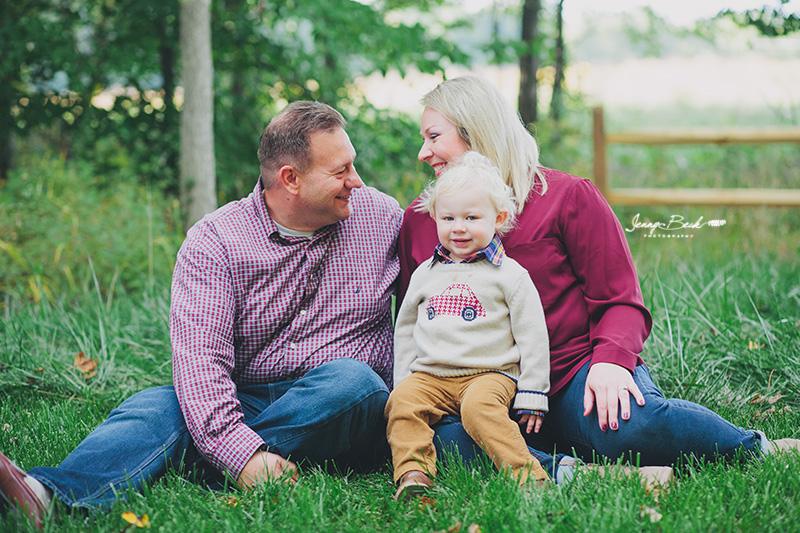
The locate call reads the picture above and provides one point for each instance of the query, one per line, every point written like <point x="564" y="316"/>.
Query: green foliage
<point x="99" y="80"/>
<point x="62" y="230"/>
<point x="387" y="147"/>
<point x="73" y="52"/>
<point x="769" y="21"/>
<point x="268" y="54"/>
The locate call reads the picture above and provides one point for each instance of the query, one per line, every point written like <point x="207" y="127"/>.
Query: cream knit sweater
<point x="466" y="318"/>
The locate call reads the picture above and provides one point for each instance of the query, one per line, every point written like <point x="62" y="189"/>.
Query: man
<point x="281" y="335"/>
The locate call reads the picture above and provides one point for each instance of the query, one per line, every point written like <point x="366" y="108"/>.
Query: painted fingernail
<point x="604" y="427"/>
<point x="626" y="416"/>
<point x="613" y="425"/>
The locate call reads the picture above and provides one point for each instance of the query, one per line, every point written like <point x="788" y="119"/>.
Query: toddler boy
<point x="470" y="337"/>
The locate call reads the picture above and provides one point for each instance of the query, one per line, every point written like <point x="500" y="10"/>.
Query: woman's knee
<point x="648" y="428"/>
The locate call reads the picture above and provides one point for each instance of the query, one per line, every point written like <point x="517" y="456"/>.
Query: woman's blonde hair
<point x="489" y="125"/>
<point x="472" y="171"/>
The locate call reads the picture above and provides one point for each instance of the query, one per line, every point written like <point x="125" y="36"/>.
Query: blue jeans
<point x="334" y="412"/>
<point x="660" y="433"/>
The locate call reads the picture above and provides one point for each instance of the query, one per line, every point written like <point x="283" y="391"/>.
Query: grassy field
<point x="86" y="269"/>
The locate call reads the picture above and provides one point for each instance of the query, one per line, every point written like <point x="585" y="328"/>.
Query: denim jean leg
<point x="331" y="412"/>
<point x="136" y="444"/>
<point x="662" y="432"/>
<point x="452" y="442"/>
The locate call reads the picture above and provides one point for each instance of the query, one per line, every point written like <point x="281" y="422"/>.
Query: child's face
<point x="466" y="222"/>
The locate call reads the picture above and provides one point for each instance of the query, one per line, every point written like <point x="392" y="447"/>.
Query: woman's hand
<point x="610" y="386"/>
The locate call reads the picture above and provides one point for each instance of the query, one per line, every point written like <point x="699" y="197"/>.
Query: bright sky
<point x="734" y="81"/>
<point x="681" y="12"/>
<point x="676" y="11"/>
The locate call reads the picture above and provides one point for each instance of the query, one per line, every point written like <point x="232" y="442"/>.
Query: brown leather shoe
<point x="16" y="494"/>
<point x="413" y="484"/>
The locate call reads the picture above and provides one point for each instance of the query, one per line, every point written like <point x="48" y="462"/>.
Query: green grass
<point x="726" y="334"/>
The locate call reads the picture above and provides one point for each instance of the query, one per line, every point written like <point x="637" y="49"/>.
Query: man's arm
<point x="201" y="330"/>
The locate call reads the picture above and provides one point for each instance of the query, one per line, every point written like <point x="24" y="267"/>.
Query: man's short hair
<point x="285" y="140"/>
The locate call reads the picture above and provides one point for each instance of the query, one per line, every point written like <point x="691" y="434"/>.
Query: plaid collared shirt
<point x="250" y="306"/>
<point x="493" y="253"/>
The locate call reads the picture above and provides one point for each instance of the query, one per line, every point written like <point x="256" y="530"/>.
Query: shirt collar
<point x="272" y="229"/>
<point x="493" y="253"/>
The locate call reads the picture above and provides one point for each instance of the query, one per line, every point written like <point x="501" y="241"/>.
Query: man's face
<point x="324" y="190"/>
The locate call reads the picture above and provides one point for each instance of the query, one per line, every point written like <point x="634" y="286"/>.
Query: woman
<point x="571" y="243"/>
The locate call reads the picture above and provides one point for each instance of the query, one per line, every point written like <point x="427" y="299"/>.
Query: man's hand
<point x="264" y="466"/>
<point x="610" y="386"/>
<point x="532" y="422"/>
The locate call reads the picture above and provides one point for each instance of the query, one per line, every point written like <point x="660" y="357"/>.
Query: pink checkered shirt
<point x="250" y="306"/>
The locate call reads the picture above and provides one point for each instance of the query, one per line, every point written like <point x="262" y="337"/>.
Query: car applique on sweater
<point x="457" y="300"/>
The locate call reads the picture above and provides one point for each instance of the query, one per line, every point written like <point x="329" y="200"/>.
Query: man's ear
<point x="502" y="216"/>
<point x="289" y="178"/>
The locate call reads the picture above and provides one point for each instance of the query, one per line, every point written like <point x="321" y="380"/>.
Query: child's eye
<point x="448" y="219"/>
<point x="472" y="217"/>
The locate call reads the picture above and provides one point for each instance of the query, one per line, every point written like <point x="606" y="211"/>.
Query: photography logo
<point x="677" y="227"/>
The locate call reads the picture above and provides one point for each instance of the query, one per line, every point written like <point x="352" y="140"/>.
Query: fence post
<point x="600" y="168"/>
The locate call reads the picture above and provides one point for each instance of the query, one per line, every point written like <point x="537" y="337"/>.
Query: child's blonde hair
<point x="472" y="170"/>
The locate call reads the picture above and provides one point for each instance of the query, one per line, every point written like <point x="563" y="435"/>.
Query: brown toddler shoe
<point x="413" y="484"/>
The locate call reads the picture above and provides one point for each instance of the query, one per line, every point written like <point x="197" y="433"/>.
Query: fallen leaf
<point x="230" y="501"/>
<point x="654" y="515"/>
<point x="87" y="366"/>
<point x="455" y="528"/>
<point x="427" y="502"/>
<point x="7" y="427"/>
<point x="753" y="345"/>
<point x="39" y="370"/>
<point x="137" y="521"/>
<point x="759" y="398"/>
<point x="474" y="528"/>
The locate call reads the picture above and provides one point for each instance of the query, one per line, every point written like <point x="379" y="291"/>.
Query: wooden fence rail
<point x="691" y="196"/>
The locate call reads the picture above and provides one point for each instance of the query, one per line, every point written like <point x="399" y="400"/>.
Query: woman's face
<point x="441" y="142"/>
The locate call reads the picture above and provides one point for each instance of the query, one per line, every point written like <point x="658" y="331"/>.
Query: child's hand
<point x="533" y="422"/>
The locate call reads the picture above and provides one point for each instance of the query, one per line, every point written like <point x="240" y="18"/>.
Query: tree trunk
<point x="197" y="173"/>
<point x="6" y="133"/>
<point x="529" y="61"/>
<point x="558" y="81"/>
<point x="167" y="55"/>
